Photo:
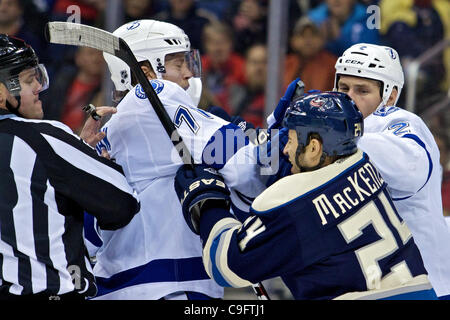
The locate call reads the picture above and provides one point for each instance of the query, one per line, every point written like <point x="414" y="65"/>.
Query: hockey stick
<point x="69" y="33"/>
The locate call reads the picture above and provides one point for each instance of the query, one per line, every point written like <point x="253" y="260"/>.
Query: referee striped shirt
<point x="48" y="178"/>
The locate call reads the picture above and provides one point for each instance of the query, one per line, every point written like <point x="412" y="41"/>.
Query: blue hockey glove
<point x="220" y="112"/>
<point x="295" y="89"/>
<point x="194" y="187"/>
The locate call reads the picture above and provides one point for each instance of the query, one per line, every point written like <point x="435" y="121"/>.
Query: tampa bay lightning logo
<point x="140" y="93"/>
<point x="385" y="111"/>
<point x="158" y="86"/>
<point x="391" y="53"/>
<point x="133" y="25"/>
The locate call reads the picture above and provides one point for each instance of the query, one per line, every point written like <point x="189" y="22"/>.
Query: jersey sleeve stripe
<point x="215" y="257"/>
<point x="430" y="162"/>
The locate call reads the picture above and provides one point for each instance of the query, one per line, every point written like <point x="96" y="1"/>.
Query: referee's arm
<point x="96" y="184"/>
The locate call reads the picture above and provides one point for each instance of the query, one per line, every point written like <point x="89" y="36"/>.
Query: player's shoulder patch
<point x="140" y="92"/>
<point x="157" y="85"/>
<point x="385" y="111"/>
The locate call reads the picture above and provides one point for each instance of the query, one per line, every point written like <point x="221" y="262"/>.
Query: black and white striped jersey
<point x="48" y="178"/>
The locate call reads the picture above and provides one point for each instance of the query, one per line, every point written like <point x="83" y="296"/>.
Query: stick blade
<point x="60" y="32"/>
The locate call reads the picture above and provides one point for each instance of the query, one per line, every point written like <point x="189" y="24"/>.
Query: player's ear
<point x="148" y="72"/>
<point x="392" y="97"/>
<point x="315" y="148"/>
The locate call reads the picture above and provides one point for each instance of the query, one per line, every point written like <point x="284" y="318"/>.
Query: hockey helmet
<point x="332" y="115"/>
<point x="151" y="41"/>
<point x="372" y="62"/>
<point x="15" y="57"/>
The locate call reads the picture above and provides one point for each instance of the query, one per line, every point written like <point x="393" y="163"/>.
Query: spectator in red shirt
<point x="222" y="67"/>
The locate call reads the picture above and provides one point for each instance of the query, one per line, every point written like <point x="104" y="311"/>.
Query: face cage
<point x="40" y="74"/>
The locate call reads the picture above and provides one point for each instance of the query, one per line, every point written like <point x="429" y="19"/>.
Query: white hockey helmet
<point x="372" y="62"/>
<point x="151" y="41"/>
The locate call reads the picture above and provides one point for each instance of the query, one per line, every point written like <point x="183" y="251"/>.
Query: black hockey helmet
<point x="15" y="57"/>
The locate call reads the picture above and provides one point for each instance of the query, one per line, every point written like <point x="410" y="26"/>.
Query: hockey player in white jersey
<point x="402" y="148"/>
<point x="156" y="256"/>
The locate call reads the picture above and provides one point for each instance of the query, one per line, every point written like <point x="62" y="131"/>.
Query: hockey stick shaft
<point x="68" y="33"/>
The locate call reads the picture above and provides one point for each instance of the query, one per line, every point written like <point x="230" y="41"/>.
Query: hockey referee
<point x="48" y="178"/>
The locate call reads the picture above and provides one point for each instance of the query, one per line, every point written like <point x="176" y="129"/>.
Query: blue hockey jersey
<point x="326" y="233"/>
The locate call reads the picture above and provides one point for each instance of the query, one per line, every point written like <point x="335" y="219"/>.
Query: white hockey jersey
<point x="156" y="254"/>
<point x="404" y="151"/>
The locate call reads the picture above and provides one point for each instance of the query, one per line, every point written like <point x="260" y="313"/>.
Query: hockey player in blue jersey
<point x="401" y="147"/>
<point x="329" y="230"/>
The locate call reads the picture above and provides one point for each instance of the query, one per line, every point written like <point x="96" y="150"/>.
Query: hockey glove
<point x="295" y="89"/>
<point x="194" y="187"/>
<point x="220" y="112"/>
<point x="279" y="164"/>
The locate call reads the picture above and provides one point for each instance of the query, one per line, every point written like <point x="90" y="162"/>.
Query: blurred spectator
<point x="443" y="144"/>
<point x="412" y="27"/>
<point x="248" y="100"/>
<point x="309" y="59"/>
<point x="186" y="15"/>
<point x="76" y="87"/>
<point x="344" y="23"/>
<point x="139" y="9"/>
<point x="221" y="66"/>
<point x="249" y="21"/>
<point x="90" y="11"/>
<point x="12" y="22"/>
<point x="218" y="7"/>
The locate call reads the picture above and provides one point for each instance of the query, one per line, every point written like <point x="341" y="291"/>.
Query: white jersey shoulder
<point x="394" y="120"/>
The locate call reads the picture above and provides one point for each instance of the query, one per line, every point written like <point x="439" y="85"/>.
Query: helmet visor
<point x="35" y="77"/>
<point x="194" y="62"/>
